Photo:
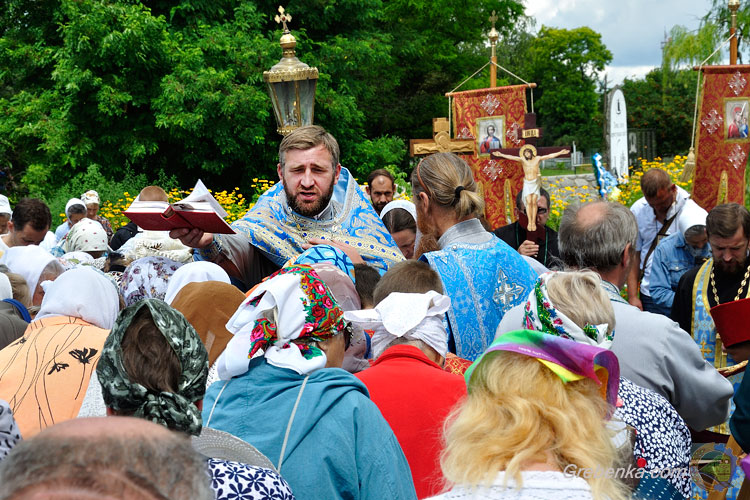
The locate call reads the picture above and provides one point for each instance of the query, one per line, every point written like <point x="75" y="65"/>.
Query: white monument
<point x="617" y="134"/>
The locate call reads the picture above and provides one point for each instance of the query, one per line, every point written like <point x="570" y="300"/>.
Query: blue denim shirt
<point x="671" y="260"/>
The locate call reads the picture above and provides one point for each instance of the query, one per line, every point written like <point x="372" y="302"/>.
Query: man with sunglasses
<point x="544" y="249"/>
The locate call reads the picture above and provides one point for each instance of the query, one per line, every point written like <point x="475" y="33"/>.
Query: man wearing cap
<point x="676" y="254"/>
<point x="657" y="215"/>
<point x="406" y="381"/>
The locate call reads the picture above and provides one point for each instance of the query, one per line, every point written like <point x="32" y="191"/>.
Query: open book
<point x="199" y="210"/>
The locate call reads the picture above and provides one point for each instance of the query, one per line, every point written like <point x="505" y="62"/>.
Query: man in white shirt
<point x="656" y="215"/>
<point x="28" y="225"/>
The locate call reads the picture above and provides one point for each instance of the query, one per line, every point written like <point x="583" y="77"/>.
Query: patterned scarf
<point x="567" y="359"/>
<point x="175" y="410"/>
<point x="292" y="304"/>
<point x="541" y="315"/>
<point x="147" y="278"/>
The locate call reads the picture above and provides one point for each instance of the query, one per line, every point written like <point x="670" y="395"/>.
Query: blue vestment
<point x="278" y="232"/>
<point x="339" y="445"/>
<point x="483" y="281"/>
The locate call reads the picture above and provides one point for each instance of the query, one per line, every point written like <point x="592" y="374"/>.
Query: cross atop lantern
<point x="291" y="84"/>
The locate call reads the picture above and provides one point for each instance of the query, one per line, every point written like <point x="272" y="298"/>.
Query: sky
<point x="633" y="30"/>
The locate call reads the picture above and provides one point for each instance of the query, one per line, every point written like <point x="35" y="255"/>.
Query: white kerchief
<point x="404" y="204"/>
<point x="194" y="272"/>
<point x="81" y="293"/>
<point x="29" y="262"/>
<point x="6" y="290"/>
<point x="87" y="236"/>
<point x="415" y="316"/>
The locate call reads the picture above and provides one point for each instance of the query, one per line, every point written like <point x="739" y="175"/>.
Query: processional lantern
<point x="291" y="84"/>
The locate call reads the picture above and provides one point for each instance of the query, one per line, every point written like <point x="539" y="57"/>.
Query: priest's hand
<point x="349" y="250"/>
<point x="193" y="238"/>
<point x="528" y="249"/>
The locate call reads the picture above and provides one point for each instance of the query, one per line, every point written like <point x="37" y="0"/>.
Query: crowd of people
<point x="343" y="344"/>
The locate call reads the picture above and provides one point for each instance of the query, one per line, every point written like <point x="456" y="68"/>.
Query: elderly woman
<point x="170" y="392"/>
<point x="46" y="372"/>
<point x="506" y="441"/>
<point x="400" y="219"/>
<point x="35" y="265"/>
<point x="304" y="409"/>
<point x="91" y="199"/>
<point x="75" y="210"/>
<point x="574" y="305"/>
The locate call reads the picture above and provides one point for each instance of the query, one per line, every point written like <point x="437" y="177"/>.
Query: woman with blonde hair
<point x="507" y="441"/>
<point x="473" y="264"/>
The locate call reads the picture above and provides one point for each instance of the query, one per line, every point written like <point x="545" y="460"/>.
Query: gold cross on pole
<point x="493" y="19"/>
<point x="283" y="18"/>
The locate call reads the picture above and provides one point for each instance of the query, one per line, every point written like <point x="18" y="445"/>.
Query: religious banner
<point x="722" y="143"/>
<point x="494" y="119"/>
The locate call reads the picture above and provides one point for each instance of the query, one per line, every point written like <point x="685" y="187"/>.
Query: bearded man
<point x="723" y="278"/>
<point x="316" y="199"/>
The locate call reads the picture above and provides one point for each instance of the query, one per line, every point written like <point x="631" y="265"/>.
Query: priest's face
<point x="730" y="254"/>
<point x="308" y="176"/>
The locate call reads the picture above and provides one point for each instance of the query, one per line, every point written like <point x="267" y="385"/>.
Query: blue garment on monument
<point x="278" y="232"/>
<point x="483" y="281"/>
<point x="339" y="445"/>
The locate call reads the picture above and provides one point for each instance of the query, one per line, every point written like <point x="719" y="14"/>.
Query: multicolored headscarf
<point x="292" y="304"/>
<point x="568" y="359"/>
<point x="541" y="315"/>
<point x="175" y="410"/>
<point x="87" y="236"/>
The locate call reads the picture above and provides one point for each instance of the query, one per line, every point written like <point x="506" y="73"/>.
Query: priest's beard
<point x="428" y="242"/>
<point x="310" y="209"/>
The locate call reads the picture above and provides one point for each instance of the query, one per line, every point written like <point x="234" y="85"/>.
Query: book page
<point x="147" y="206"/>
<point x="201" y="199"/>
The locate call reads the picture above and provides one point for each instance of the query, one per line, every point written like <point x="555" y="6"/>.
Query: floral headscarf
<point x="175" y="410"/>
<point x="541" y="315"/>
<point x="147" y="278"/>
<point x="292" y="304"/>
<point x="87" y="236"/>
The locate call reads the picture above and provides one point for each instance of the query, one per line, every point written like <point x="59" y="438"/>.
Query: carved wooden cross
<point x="441" y="141"/>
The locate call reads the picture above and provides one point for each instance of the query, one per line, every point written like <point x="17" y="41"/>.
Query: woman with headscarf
<point x="35" y="265"/>
<point x="400" y="219"/>
<point x="304" y="410"/>
<point x="506" y="441"/>
<point x="14" y="317"/>
<point x="208" y="305"/>
<point x="147" y="278"/>
<point x="575" y="306"/>
<point x="87" y="236"/>
<point x="154" y="366"/>
<point x="91" y="199"/>
<point x="44" y="375"/>
<point x="193" y="272"/>
<point x="75" y="210"/>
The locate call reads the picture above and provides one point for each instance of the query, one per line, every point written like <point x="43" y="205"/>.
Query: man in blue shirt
<point x="676" y="254"/>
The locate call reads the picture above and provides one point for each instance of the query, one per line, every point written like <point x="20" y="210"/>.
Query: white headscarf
<point x="194" y="272"/>
<point x="406" y="205"/>
<point x="6" y="290"/>
<point x="413" y="316"/>
<point x="29" y="262"/>
<point x="72" y="202"/>
<point x="5" y="205"/>
<point x="86" y="236"/>
<point x="90" y="197"/>
<point x="82" y="293"/>
<point x="691" y="215"/>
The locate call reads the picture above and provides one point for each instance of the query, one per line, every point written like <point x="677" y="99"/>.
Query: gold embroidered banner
<point x="723" y="142"/>
<point x="493" y="118"/>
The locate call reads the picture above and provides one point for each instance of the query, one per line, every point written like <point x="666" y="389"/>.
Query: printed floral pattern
<point x="147" y="278"/>
<point x="236" y="481"/>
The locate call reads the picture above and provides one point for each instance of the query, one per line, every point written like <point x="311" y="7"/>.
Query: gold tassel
<point x="689" y="168"/>
<point x="723" y="192"/>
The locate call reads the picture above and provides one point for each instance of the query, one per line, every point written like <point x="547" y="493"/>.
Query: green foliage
<point x="565" y="64"/>
<point x="663" y="101"/>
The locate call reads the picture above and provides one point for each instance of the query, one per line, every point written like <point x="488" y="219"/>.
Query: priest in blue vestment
<point x="316" y="199"/>
<point x="483" y="275"/>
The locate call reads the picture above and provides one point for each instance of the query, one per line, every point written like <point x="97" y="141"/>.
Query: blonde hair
<point x="579" y="296"/>
<point x="441" y="175"/>
<point x="504" y="426"/>
<point x="307" y="137"/>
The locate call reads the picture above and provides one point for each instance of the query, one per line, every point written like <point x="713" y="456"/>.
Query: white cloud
<point x="616" y="74"/>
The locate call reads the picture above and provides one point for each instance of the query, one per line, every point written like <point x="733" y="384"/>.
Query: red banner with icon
<point x="722" y="142"/>
<point x="494" y="118"/>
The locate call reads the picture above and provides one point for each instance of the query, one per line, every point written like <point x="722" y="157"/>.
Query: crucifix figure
<point x="532" y="177"/>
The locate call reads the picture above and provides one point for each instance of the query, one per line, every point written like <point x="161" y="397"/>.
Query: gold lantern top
<point x="291" y="83"/>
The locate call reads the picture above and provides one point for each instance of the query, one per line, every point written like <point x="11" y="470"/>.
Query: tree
<point x="566" y="65"/>
<point x="663" y="101"/>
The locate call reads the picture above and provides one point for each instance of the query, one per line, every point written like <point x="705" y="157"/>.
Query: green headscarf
<point x="173" y="410"/>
